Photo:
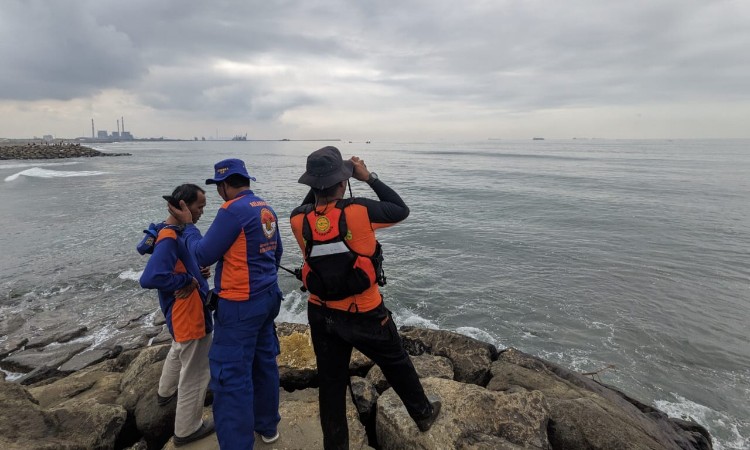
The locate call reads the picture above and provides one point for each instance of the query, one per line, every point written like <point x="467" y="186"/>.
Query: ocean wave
<point x="293" y="308"/>
<point x="480" y="335"/>
<point x="130" y="274"/>
<point x="733" y="432"/>
<point x="37" y="172"/>
<point x="36" y="164"/>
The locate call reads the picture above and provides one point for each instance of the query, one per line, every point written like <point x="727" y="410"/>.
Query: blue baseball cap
<point x="223" y="169"/>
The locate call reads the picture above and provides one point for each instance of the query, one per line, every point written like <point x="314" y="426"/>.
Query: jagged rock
<point x="133" y="339"/>
<point x="100" y="382"/>
<point x="138" y="395"/>
<point x="426" y="366"/>
<point x="42" y="374"/>
<point x="78" y="424"/>
<point x="61" y="333"/>
<point x="471" y="358"/>
<point x="12" y="344"/>
<point x="89" y="358"/>
<point x="51" y="356"/>
<point x="163" y="337"/>
<point x="365" y="397"/>
<point x="470" y="414"/>
<point x="138" y="377"/>
<point x="581" y="408"/>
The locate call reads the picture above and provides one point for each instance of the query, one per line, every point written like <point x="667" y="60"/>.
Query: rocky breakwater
<point x="50" y="151"/>
<point x="491" y="400"/>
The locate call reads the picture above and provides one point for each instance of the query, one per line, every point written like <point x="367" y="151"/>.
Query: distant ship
<point x="240" y="138"/>
<point x="538" y="139"/>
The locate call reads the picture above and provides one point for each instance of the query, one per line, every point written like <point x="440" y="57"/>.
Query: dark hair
<point x="187" y="192"/>
<point x="236" y="180"/>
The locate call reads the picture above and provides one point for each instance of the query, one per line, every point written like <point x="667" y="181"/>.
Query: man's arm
<point x="159" y="271"/>
<point x="218" y="239"/>
<point x="389" y="209"/>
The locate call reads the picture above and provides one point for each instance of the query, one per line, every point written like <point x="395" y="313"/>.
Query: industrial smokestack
<point x="92" y="129"/>
<point x="122" y="120"/>
<point x="118" y="126"/>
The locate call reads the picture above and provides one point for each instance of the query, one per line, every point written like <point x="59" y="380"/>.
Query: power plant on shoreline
<point x="101" y="135"/>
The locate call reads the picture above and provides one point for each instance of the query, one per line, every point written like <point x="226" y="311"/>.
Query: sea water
<point x="588" y="253"/>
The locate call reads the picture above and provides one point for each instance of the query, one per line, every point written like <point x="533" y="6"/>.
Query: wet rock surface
<point x="490" y="400"/>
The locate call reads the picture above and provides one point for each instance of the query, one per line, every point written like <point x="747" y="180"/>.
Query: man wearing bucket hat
<point x="342" y="270"/>
<point x="244" y="240"/>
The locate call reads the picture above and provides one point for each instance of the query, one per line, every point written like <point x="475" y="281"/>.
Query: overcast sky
<point x="380" y="69"/>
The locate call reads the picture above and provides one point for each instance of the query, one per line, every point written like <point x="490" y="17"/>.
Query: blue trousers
<point x="244" y="373"/>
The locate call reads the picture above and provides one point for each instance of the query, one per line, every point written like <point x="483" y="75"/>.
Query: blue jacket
<point x="244" y="239"/>
<point x="170" y="268"/>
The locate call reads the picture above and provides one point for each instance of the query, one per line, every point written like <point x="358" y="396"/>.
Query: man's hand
<point x="360" y="169"/>
<point x="183" y="215"/>
<point x="185" y="292"/>
<point x="206" y="272"/>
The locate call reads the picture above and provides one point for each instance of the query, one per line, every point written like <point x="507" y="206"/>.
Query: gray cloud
<point x="253" y="60"/>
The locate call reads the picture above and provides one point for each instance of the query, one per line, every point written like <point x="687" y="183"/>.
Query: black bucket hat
<point x="325" y="167"/>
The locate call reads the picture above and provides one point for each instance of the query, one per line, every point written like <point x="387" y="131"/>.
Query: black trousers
<point x="334" y="334"/>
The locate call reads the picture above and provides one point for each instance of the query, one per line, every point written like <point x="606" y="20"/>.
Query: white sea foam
<point x="480" y="335"/>
<point x="713" y="420"/>
<point x="293" y="308"/>
<point x="37" y="172"/>
<point x="12" y="376"/>
<point x="36" y="164"/>
<point x="130" y="274"/>
<point x="410" y="318"/>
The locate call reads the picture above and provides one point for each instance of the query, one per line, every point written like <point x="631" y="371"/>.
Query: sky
<point x="384" y="70"/>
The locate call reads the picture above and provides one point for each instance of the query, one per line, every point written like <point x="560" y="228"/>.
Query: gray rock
<point x="470" y="415"/>
<point x="163" y="337"/>
<point x="133" y="338"/>
<point x="580" y="409"/>
<point x="24" y="424"/>
<point x="12" y="344"/>
<point x="60" y="333"/>
<point x="365" y="397"/>
<point x="89" y="358"/>
<point x="471" y="358"/>
<point x="52" y="356"/>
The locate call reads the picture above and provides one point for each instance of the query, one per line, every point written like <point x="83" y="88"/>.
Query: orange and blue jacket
<point x="363" y="217"/>
<point x="244" y="240"/>
<point x="170" y="268"/>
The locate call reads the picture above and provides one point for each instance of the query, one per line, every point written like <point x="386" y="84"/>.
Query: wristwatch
<point x="372" y="178"/>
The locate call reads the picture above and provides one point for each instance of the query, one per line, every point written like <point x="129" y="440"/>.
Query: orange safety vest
<point x="332" y="269"/>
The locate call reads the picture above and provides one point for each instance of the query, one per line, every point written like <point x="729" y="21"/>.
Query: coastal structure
<point x="103" y="136"/>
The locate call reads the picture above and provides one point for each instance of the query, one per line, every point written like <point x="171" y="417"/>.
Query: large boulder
<point x="138" y="387"/>
<point x="50" y="356"/>
<point x="74" y="424"/>
<point x="471" y="358"/>
<point x="585" y="414"/>
<point x="471" y="417"/>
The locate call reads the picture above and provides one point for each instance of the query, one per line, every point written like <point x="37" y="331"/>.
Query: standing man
<point x="182" y="291"/>
<point x="342" y="270"/>
<point x="244" y="240"/>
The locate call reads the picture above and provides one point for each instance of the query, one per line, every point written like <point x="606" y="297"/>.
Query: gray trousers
<point x="186" y="370"/>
